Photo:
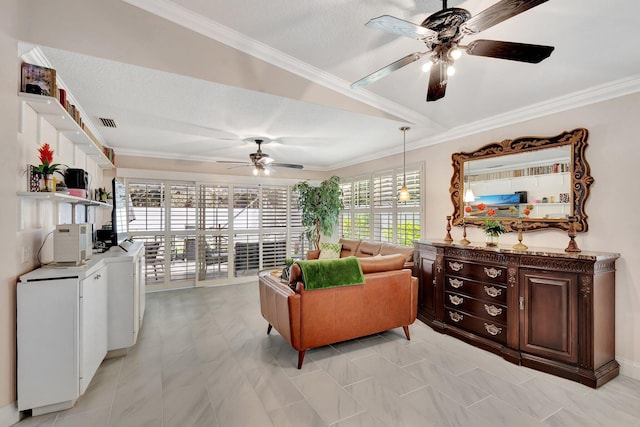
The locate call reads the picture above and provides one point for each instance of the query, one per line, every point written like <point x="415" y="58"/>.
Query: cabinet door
<point x="93" y="325"/>
<point x="548" y="314"/>
<point x="427" y="293"/>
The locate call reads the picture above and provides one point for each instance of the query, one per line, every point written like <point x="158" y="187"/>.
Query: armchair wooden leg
<point x="406" y="332"/>
<point x="269" y="329"/>
<point x="301" y="358"/>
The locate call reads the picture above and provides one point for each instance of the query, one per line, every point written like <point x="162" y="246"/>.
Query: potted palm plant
<point x="320" y="207"/>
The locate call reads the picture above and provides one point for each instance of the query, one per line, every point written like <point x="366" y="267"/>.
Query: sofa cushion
<point x="389" y="248"/>
<point x="367" y="249"/>
<point x="330" y="250"/>
<point x="330" y="273"/>
<point x="378" y="263"/>
<point x="349" y="247"/>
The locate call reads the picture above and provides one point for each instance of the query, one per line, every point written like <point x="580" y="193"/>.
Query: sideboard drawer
<point x="490" y="329"/>
<point x="483" y="291"/>
<point x="487" y="310"/>
<point x="481" y="272"/>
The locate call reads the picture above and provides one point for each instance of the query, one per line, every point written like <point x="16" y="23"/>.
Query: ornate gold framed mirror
<point x="539" y="180"/>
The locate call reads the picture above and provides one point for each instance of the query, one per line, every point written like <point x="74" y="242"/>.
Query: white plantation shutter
<point x="148" y="205"/>
<point x="413" y="185"/>
<point x="362" y="225"/>
<point x="376" y="213"/>
<point x="213" y="246"/>
<point x="384" y="195"/>
<point x="183" y="207"/>
<point x="246" y="208"/>
<point x="274" y="207"/>
<point x="203" y="232"/>
<point x="384" y="199"/>
<point x="346" y="222"/>
<point x="347" y="194"/>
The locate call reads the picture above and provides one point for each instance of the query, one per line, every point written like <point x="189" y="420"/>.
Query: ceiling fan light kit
<point x="262" y="163"/>
<point x="442" y="32"/>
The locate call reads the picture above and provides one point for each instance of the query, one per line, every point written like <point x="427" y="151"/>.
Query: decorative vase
<point x="491" y="241"/>
<point x="46" y="183"/>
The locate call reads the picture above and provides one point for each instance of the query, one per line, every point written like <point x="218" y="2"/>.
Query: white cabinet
<point x="61" y="334"/>
<point x="68" y="318"/>
<point x="126" y="294"/>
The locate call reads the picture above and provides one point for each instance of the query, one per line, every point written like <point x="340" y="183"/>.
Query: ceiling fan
<point x="262" y="162"/>
<point x="442" y="32"/>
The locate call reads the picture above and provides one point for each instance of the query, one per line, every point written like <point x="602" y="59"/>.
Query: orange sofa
<point x="313" y="318"/>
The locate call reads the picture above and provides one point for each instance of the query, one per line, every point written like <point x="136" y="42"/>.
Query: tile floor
<point x="203" y="359"/>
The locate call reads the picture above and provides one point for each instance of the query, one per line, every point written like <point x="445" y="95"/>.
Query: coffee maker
<point x="77" y="181"/>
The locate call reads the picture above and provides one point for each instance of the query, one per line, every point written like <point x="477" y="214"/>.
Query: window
<point x="372" y="210"/>
<point x="203" y="232"/>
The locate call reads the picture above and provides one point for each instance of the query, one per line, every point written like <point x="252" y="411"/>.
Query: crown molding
<point x="581" y="98"/>
<point x="590" y="96"/>
<point x="184" y="17"/>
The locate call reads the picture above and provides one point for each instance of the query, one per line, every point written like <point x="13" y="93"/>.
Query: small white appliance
<point x="72" y="243"/>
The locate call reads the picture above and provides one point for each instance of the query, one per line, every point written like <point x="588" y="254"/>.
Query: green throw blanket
<point x="330" y="273"/>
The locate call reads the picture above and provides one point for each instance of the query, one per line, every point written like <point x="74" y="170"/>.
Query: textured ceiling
<point x="174" y="116"/>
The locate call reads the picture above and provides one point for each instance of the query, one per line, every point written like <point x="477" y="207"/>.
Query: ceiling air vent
<point x="108" y="123"/>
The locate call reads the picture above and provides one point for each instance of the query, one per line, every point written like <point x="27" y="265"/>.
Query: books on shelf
<point x="530" y="171"/>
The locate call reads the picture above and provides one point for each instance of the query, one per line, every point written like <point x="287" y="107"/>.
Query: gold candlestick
<point x="464" y="240"/>
<point x="448" y="237"/>
<point x="573" y="246"/>
<point x="520" y="246"/>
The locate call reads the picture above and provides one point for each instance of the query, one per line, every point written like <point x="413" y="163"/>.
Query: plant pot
<point x="491" y="241"/>
<point x="46" y="183"/>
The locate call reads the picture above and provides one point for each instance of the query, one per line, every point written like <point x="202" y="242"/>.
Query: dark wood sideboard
<point x="543" y="308"/>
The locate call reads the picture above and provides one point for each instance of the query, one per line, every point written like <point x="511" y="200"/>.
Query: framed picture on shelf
<point x="38" y="80"/>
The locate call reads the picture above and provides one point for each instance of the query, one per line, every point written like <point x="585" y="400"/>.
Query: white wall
<point x="613" y="205"/>
<point x="9" y="173"/>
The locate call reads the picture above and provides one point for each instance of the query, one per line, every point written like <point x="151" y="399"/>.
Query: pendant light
<point x="468" y="194"/>
<point x="404" y="195"/>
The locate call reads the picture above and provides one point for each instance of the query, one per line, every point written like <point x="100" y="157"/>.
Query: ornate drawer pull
<point x="456" y="283"/>
<point x="456" y="317"/>
<point x="456" y="300"/>
<point x="456" y="266"/>
<point x="492" y="310"/>
<point x="492" y="272"/>
<point x="493" y="291"/>
<point x="492" y="329"/>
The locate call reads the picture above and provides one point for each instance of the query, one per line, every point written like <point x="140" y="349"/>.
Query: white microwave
<point x="72" y="243"/>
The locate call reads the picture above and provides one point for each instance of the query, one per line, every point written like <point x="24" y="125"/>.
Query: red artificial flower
<point x="481" y="206"/>
<point x="527" y="212"/>
<point x="46" y="166"/>
<point x="46" y="154"/>
<point x="491" y="212"/>
<point x="467" y="209"/>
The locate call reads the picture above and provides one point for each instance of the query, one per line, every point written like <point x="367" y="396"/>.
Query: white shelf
<point x="59" y="118"/>
<point x="62" y="198"/>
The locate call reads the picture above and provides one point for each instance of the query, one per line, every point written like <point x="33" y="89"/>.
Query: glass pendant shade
<point x="468" y="196"/>
<point x="404" y="195"/>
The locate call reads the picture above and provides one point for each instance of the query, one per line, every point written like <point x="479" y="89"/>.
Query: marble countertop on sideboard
<point x="536" y="251"/>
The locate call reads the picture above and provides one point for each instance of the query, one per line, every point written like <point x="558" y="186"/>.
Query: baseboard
<point x="9" y="415"/>
<point x="629" y="369"/>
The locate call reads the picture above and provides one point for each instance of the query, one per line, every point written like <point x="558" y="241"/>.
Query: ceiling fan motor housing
<point x="447" y="24"/>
